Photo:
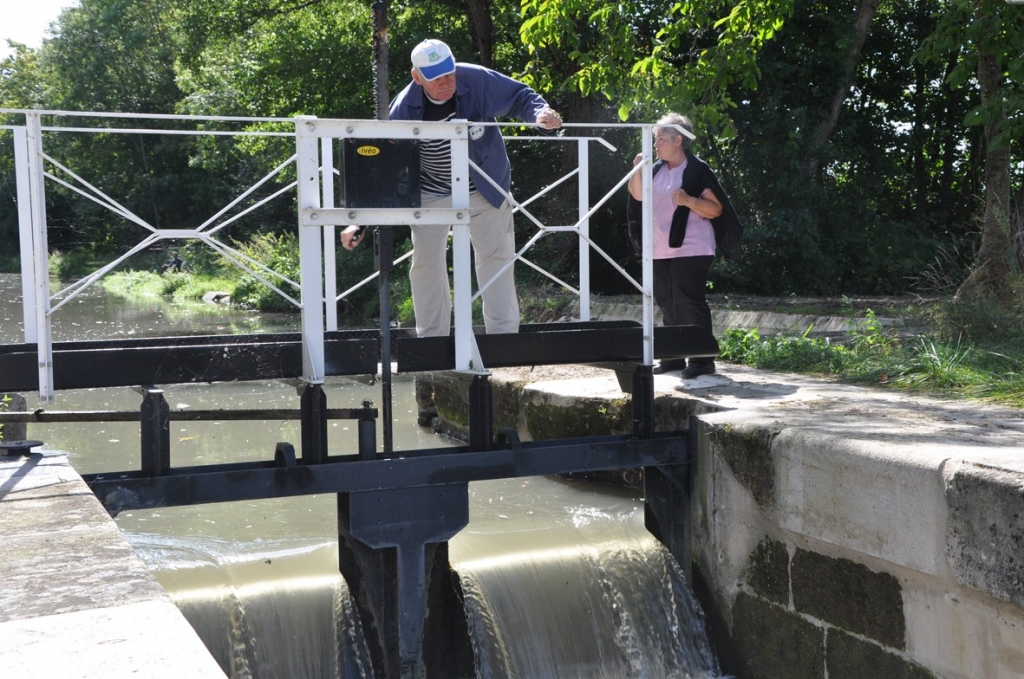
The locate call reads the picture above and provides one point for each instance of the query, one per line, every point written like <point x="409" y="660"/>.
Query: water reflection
<point x="94" y="314"/>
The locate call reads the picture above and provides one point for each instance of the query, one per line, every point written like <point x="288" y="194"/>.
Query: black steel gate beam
<point x="182" y="360"/>
<point x="120" y="491"/>
<point x="167" y="360"/>
<point x="558" y="344"/>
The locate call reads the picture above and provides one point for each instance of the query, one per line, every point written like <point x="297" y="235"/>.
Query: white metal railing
<point x="317" y="215"/>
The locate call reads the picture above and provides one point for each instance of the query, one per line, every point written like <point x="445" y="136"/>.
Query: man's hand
<point x="351" y="236"/>
<point x="548" y="119"/>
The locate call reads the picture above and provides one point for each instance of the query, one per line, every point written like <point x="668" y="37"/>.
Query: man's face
<point x="438" y="89"/>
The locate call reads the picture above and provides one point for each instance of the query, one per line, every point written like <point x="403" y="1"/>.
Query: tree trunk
<point x="861" y="24"/>
<point x="482" y="29"/>
<point x="991" y="274"/>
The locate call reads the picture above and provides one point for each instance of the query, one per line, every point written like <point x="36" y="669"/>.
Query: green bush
<point x="278" y="252"/>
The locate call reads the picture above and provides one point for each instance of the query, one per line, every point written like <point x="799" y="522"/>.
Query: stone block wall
<point x="818" y="558"/>
<point x="806" y="615"/>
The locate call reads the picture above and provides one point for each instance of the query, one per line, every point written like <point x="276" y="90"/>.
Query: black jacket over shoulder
<point x="697" y="177"/>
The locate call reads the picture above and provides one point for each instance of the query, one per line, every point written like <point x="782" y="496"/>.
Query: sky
<point x="27" y="20"/>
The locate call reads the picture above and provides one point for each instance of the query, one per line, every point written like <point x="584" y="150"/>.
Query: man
<point x="443" y="90"/>
<point x="174" y="264"/>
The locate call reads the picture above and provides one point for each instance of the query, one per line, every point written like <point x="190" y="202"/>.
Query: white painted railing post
<point x="28" y="276"/>
<point x="310" y="251"/>
<point x="38" y="330"/>
<point x="330" y="244"/>
<point x="465" y="343"/>
<point x="648" y="249"/>
<point x="583" y="180"/>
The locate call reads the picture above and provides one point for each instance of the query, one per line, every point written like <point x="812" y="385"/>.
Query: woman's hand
<point x="680" y="197"/>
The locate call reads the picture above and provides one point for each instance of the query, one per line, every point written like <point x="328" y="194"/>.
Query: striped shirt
<point x="436" y="154"/>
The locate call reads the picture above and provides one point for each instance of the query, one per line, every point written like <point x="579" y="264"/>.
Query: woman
<point x="687" y="197"/>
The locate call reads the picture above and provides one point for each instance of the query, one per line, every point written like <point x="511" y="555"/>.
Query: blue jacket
<point x="481" y="95"/>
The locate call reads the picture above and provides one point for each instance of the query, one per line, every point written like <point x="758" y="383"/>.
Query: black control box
<point x="380" y="173"/>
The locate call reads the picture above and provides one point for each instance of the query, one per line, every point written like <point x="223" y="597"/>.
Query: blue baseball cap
<point x="433" y="59"/>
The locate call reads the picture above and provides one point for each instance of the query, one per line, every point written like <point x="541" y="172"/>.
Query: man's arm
<point x="504" y="97"/>
<point x="351" y="236"/>
<point x="548" y="119"/>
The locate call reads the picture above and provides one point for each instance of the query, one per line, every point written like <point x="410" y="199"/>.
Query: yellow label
<point x="367" y="150"/>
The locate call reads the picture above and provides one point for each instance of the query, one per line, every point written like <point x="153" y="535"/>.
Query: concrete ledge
<point x="75" y="600"/>
<point x="765" y="322"/>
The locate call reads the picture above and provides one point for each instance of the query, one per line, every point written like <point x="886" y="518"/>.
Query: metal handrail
<point x="30" y="160"/>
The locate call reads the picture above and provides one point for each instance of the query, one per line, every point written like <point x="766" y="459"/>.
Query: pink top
<point x="700" y="235"/>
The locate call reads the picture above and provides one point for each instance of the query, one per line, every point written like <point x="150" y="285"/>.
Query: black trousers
<point x="680" y="290"/>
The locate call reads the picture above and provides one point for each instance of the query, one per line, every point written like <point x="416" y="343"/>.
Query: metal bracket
<point x="16" y="448"/>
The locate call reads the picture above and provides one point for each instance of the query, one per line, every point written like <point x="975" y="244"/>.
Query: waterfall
<point x="568" y="583"/>
<point x="610" y="610"/>
<point x="560" y="580"/>
<point x="278" y="614"/>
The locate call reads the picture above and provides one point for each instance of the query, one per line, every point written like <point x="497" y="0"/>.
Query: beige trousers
<point x="493" y="238"/>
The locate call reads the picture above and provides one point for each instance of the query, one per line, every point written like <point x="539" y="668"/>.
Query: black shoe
<point x="696" y="369"/>
<point x="667" y="365"/>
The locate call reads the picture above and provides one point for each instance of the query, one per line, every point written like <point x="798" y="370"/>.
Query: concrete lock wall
<point x="822" y="554"/>
<point x="839" y="532"/>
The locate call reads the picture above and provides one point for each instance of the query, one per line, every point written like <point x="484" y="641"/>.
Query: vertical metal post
<point x="25" y="229"/>
<point x="384" y="246"/>
<point x="40" y="249"/>
<point x="387" y="541"/>
<point x="384" y="251"/>
<point x="310" y="251"/>
<point x="642" y="400"/>
<point x="367" y="432"/>
<point x="379" y="12"/>
<point x="313" y="422"/>
<point x="481" y="414"/>
<point x="583" y="181"/>
<point x="330" y="244"/>
<point x="465" y="343"/>
<point x="155" y="433"/>
<point x="648" y="251"/>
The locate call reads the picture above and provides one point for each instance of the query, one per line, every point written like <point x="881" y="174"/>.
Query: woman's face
<point x="668" y="145"/>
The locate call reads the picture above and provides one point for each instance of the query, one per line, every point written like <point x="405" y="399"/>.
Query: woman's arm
<point x="636" y="181"/>
<point x="706" y="204"/>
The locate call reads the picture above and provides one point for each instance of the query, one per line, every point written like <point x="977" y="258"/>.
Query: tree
<point x="989" y="37"/>
<point x="823" y="131"/>
<point x="649" y="62"/>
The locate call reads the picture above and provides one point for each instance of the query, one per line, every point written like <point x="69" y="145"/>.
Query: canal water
<point x="561" y="577"/>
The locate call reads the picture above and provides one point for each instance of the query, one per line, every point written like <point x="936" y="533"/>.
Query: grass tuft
<point x="986" y="367"/>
